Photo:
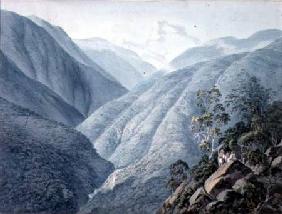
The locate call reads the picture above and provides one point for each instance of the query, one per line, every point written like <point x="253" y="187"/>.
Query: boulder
<point x="171" y="204"/>
<point x="252" y="188"/>
<point x="171" y="201"/>
<point x="179" y="200"/>
<point x="214" y="206"/>
<point x="277" y="163"/>
<point x="242" y="183"/>
<point x="227" y="195"/>
<point x="274" y="152"/>
<point x="198" y="201"/>
<point x="225" y="177"/>
<point x="197" y="195"/>
<point x="232" y="207"/>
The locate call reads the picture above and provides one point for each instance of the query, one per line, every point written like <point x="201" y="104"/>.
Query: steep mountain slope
<point x="118" y="61"/>
<point x="62" y="38"/>
<point x="224" y="46"/>
<point x="144" y="137"/>
<point x="40" y="57"/>
<point x="68" y="45"/>
<point x="23" y="91"/>
<point x="120" y="69"/>
<point x="143" y="133"/>
<point x="263" y="63"/>
<point x="45" y="167"/>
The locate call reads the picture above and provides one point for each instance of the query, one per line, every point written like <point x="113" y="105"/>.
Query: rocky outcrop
<point x="232" y="188"/>
<point x="277" y="163"/>
<point x="225" y="177"/>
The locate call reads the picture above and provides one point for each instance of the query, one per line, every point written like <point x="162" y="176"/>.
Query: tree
<point x="204" y="169"/>
<point x="249" y="99"/>
<point x="207" y="125"/>
<point x="178" y="173"/>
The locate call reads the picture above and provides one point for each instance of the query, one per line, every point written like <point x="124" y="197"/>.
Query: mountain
<point x="68" y="45"/>
<point x="145" y="131"/>
<point x="224" y="46"/>
<point x="23" y="91"/>
<point x="45" y="167"/>
<point x="40" y="57"/>
<point x="62" y="39"/>
<point x="125" y="65"/>
<point x="142" y="133"/>
<point x="123" y="71"/>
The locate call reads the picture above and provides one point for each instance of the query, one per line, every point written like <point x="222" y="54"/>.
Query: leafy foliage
<point x="256" y="157"/>
<point x="251" y="135"/>
<point x="251" y="140"/>
<point x="206" y="127"/>
<point x="179" y="173"/>
<point x="203" y="169"/>
<point x="249" y="99"/>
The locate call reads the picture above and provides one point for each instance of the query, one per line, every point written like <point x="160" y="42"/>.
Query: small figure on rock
<point x="221" y="159"/>
<point x="225" y="156"/>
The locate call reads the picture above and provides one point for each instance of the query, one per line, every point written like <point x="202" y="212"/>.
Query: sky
<point x="156" y="30"/>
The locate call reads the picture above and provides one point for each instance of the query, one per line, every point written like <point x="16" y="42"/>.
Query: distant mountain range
<point x="224" y="46"/>
<point x="146" y="130"/>
<point x="123" y="64"/>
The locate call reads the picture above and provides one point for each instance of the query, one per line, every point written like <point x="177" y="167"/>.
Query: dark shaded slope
<point x="23" y="91"/>
<point x="45" y="167"/>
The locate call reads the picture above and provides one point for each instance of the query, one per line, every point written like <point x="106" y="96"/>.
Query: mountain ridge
<point x="107" y="55"/>
<point x="23" y="91"/>
<point x="224" y="46"/>
<point x="147" y="172"/>
<point x="78" y="84"/>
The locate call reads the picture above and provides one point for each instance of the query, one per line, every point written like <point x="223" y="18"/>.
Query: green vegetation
<point x="179" y="172"/>
<point x="203" y="169"/>
<point x="255" y="140"/>
<point x="249" y="100"/>
<point x="256" y="130"/>
<point x="207" y="126"/>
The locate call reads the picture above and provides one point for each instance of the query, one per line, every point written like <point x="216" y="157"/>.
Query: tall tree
<point x="250" y="99"/>
<point x="207" y="125"/>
